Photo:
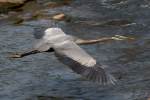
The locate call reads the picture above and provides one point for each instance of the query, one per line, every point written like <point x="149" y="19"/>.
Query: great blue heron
<point x="69" y="53"/>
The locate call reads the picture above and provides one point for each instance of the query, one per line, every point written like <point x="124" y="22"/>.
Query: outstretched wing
<point x="71" y="54"/>
<point x="81" y="62"/>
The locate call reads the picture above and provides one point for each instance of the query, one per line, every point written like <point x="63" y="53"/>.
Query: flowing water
<point x="42" y="77"/>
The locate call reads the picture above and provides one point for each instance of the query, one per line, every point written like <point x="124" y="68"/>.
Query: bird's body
<point x="70" y="54"/>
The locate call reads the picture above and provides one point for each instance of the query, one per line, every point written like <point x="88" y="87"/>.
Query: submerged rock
<point x="57" y="3"/>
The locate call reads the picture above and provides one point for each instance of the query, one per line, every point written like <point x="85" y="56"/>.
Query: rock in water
<point x="10" y="3"/>
<point x="13" y="1"/>
<point x="59" y="17"/>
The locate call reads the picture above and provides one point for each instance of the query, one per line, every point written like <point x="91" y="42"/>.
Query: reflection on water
<point x="42" y="77"/>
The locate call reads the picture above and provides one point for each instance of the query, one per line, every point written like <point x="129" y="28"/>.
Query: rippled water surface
<point x="42" y="77"/>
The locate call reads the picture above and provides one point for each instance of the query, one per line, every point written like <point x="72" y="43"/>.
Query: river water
<point x="42" y="77"/>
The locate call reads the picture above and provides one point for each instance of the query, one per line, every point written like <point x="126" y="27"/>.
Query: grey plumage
<point x="69" y="53"/>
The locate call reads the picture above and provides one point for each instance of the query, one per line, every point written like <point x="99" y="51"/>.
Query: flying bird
<point x="67" y="51"/>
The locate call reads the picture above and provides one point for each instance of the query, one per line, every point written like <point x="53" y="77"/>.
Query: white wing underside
<point x="63" y="44"/>
<point x="73" y="51"/>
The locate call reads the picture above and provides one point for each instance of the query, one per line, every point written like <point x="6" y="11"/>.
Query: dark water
<point x="42" y="77"/>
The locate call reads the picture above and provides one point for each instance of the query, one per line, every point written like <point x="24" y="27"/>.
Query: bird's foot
<point x="120" y="37"/>
<point x="15" y="55"/>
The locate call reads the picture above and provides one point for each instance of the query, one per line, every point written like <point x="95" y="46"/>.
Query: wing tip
<point x="110" y="79"/>
<point x="100" y="76"/>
